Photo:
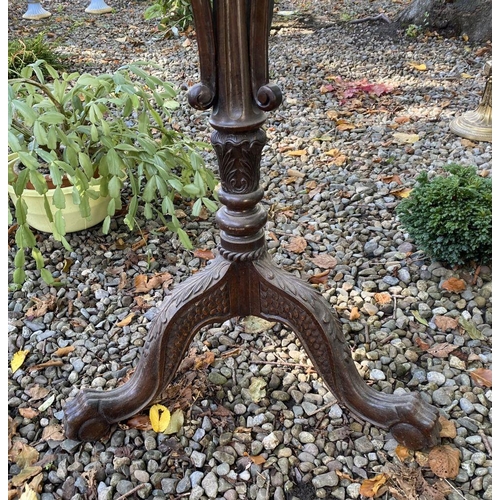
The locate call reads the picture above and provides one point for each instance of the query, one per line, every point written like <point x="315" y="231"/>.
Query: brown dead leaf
<point x="141" y="422"/>
<point x="143" y="284"/>
<point x="402" y="452"/>
<point x="324" y="261"/>
<point x="25" y="474"/>
<point x="36" y="392"/>
<point x="62" y="351"/>
<point x="139" y="244"/>
<point x="295" y="173"/>
<point x="41" y="307"/>
<point x="28" y="413"/>
<point x="126" y="320"/>
<point x="319" y="278"/>
<point x="204" y="361"/>
<point x="444" y="461"/>
<point x="455" y="285"/>
<point x="482" y="376"/>
<point x="256" y="459"/>
<point x="298" y="152"/>
<point x="297" y="244"/>
<point x="370" y="487"/>
<point x="383" y="298"/>
<point x="343" y="125"/>
<point x="448" y="429"/>
<point x="391" y="178"/>
<point x="402" y="193"/>
<point x="402" y="119"/>
<point x="24" y="455"/>
<point x="332" y="114"/>
<point x="53" y="432"/>
<point x="204" y="254"/>
<point x="46" y="364"/>
<point x="354" y="315"/>
<point x="445" y="323"/>
<point x="441" y="350"/>
<point x="423" y="345"/>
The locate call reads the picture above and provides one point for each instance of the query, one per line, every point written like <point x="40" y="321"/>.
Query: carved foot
<point x="82" y="419"/>
<point x="202" y="299"/>
<point x="290" y="301"/>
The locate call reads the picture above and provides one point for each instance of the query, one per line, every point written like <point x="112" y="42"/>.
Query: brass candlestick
<point x="477" y="125"/>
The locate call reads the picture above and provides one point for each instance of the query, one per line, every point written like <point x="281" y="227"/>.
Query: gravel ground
<point x="261" y="397"/>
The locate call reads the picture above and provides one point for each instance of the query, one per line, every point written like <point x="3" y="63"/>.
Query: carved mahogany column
<point x="242" y="280"/>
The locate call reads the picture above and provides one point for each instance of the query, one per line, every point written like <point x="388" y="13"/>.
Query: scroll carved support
<point x="243" y="280"/>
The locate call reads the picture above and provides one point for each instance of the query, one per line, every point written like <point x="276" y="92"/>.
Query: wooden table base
<point x="242" y="280"/>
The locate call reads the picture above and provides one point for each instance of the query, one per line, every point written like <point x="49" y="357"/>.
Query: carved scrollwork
<point x="239" y="159"/>
<point x="269" y="97"/>
<point x="201" y="96"/>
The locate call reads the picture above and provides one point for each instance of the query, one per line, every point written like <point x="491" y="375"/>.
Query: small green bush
<point x="173" y="13"/>
<point x="23" y="52"/>
<point x="450" y="216"/>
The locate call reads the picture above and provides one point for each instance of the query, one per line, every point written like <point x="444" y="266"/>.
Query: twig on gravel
<point x="131" y="492"/>
<point x="486" y="442"/>
<point x="324" y="407"/>
<point x="380" y="17"/>
<point x="282" y="363"/>
<point x="457" y="491"/>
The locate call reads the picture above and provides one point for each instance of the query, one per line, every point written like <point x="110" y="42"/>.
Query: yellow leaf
<point x="299" y="152"/>
<point x="466" y="75"/>
<point x="417" y="66"/>
<point x="28" y="494"/>
<point x="17" y="360"/>
<point x="465" y="38"/>
<point x="403" y="138"/>
<point x="369" y="487"/>
<point x="402" y="452"/>
<point x="402" y="193"/>
<point x="160" y="417"/>
<point x="126" y="321"/>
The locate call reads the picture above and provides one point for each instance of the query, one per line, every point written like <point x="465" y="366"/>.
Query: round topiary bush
<point x="450" y="216"/>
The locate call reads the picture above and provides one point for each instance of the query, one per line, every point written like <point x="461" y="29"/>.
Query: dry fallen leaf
<point x="126" y="320"/>
<point x="448" y="429"/>
<point x="482" y="376"/>
<point x="402" y="193"/>
<point x="441" y="350"/>
<point x="423" y="345"/>
<point x="53" y="432"/>
<point x="319" y="278"/>
<point x="160" y="417"/>
<point x="370" y="487"/>
<point x="298" y="152"/>
<point x="418" y="66"/>
<point x="46" y="364"/>
<point x="343" y="125"/>
<point x="445" y="323"/>
<point x="297" y="244"/>
<point x="28" y="494"/>
<point x="402" y="452"/>
<point x="176" y="422"/>
<point x="383" y="298"/>
<point x="62" y="351"/>
<point x="256" y="459"/>
<point x="456" y="285"/>
<point x="28" y="413"/>
<point x="17" y="360"/>
<point x="204" y="254"/>
<point x="254" y="324"/>
<point x="402" y="119"/>
<point x="444" y="461"/>
<point x="36" y="392"/>
<point x="403" y="138"/>
<point x="204" y="361"/>
<point x="141" y="422"/>
<point x="354" y="314"/>
<point x="324" y="261"/>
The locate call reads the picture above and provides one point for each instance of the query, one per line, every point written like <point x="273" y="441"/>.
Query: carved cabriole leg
<point x="202" y="299"/>
<point x="289" y="300"/>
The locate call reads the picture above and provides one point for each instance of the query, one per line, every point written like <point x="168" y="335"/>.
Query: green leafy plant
<point x="175" y="14"/>
<point x="450" y="216"/>
<point x="28" y="51"/>
<point x="103" y="136"/>
<point x="413" y="30"/>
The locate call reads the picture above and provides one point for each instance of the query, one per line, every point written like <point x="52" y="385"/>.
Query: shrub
<point x="450" y="216"/>
<point x="176" y="14"/>
<point x="27" y="51"/>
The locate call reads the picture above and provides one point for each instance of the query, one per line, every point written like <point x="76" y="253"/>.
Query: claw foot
<point x="419" y="427"/>
<point x="82" y="418"/>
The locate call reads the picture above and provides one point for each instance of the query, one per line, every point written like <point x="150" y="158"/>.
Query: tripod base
<point x="225" y="289"/>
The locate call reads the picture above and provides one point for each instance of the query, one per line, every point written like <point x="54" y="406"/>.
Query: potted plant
<point x="97" y="136"/>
